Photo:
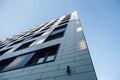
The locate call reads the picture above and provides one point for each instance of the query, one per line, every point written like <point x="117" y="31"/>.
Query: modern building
<point x="56" y="50"/>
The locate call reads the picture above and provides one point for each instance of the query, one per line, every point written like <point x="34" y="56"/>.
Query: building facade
<point x="56" y="50"/>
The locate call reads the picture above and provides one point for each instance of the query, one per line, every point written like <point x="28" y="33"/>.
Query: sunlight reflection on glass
<point x="11" y="50"/>
<point x="79" y="29"/>
<point x="45" y="33"/>
<point x="40" y="41"/>
<point x="16" y="61"/>
<point x="32" y="44"/>
<point x="82" y="45"/>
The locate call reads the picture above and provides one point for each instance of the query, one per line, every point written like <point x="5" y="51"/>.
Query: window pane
<point x="41" y="60"/>
<point x="25" y="45"/>
<point x="1" y="47"/>
<point x="16" y="42"/>
<point x="50" y="58"/>
<point x="5" y="63"/>
<point x="45" y="54"/>
<point x="52" y="37"/>
<point x="4" y="51"/>
<point x="19" y="62"/>
<point x="58" y="31"/>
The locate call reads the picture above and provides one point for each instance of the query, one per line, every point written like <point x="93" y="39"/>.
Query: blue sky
<point x="100" y="20"/>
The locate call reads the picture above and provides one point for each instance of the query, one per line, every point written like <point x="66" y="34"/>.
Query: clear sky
<point x="100" y="22"/>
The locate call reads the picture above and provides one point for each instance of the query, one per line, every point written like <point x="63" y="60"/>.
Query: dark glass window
<point x="4" y="51"/>
<point x="63" y="22"/>
<point x="25" y="45"/>
<point x="18" y="62"/>
<point x="48" y="26"/>
<point x="38" y="57"/>
<point x="59" y="29"/>
<point x="16" y="42"/>
<point x="57" y="33"/>
<point x="67" y="17"/>
<point x="1" y="47"/>
<point x="44" y="55"/>
<point x="5" y="63"/>
<point x="51" y="37"/>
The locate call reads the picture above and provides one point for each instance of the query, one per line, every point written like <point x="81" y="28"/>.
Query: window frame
<point x="8" y="61"/>
<point x="14" y="65"/>
<point x="61" y="34"/>
<point x="21" y="46"/>
<point x="2" y="52"/>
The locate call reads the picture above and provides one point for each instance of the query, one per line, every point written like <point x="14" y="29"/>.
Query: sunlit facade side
<point x="55" y="50"/>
